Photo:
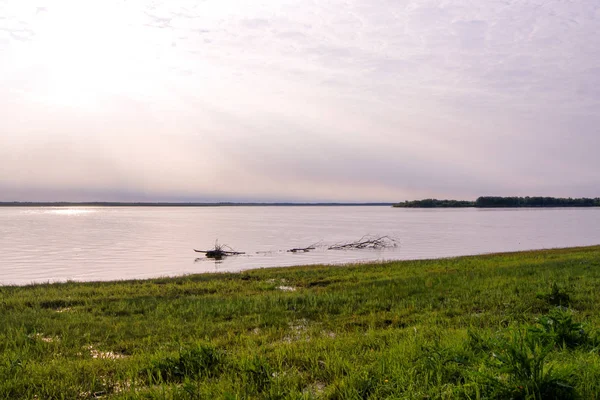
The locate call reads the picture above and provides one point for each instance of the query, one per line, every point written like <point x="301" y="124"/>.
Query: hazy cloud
<point x="292" y="100"/>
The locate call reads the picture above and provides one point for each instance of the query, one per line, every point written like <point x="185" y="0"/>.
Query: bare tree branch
<point x="366" y="242"/>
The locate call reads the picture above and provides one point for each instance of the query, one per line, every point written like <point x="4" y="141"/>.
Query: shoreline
<point x="441" y="328"/>
<point x="276" y="269"/>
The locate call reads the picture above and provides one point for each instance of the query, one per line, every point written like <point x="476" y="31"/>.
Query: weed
<point x="557" y="296"/>
<point x="201" y="361"/>
<point x="441" y="365"/>
<point x="559" y="328"/>
<point x="524" y="370"/>
<point x="258" y="374"/>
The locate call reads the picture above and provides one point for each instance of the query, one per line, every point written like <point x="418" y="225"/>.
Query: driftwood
<point x="303" y="249"/>
<point x="366" y="242"/>
<point x="219" y="251"/>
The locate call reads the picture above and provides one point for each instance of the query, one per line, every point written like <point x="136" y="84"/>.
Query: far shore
<point x="480" y="202"/>
<point x="503" y="202"/>
<point x="168" y="204"/>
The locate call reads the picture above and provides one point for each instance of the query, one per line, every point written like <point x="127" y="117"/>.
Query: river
<point x="45" y="244"/>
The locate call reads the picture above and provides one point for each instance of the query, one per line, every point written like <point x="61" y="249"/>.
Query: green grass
<point x="508" y="326"/>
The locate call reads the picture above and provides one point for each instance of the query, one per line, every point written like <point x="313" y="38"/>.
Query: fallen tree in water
<point x="220" y="251"/>
<point x="366" y="242"/>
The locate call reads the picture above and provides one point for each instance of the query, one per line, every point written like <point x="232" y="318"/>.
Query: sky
<point x="298" y="100"/>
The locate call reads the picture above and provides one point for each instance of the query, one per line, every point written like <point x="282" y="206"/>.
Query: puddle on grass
<point x="286" y="288"/>
<point x="45" y="339"/>
<point x="107" y="355"/>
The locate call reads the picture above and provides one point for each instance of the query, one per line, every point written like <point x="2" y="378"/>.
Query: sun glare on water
<point x="70" y="211"/>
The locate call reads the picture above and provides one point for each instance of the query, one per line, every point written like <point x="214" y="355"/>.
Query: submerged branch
<point x="304" y="249"/>
<point x="366" y="242"/>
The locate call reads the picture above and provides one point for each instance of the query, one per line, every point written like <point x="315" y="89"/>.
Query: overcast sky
<point x="298" y="100"/>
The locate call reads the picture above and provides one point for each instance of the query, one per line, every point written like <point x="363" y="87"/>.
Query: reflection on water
<point x="70" y="211"/>
<point x="57" y="210"/>
<point x="49" y="244"/>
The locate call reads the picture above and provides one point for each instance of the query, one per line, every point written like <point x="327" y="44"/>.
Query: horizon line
<point x="179" y="204"/>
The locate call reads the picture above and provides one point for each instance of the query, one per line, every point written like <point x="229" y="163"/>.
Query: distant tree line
<point x="492" y="201"/>
<point x="497" y="201"/>
<point x="435" y="203"/>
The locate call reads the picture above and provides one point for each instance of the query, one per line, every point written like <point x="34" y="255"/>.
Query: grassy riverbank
<point x="518" y="325"/>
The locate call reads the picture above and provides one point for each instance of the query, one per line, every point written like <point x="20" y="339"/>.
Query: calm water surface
<point x="85" y="244"/>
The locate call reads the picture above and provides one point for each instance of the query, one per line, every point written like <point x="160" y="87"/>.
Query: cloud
<point x="158" y="22"/>
<point x="19" y="33"/>
<point x="302" y="100"/>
